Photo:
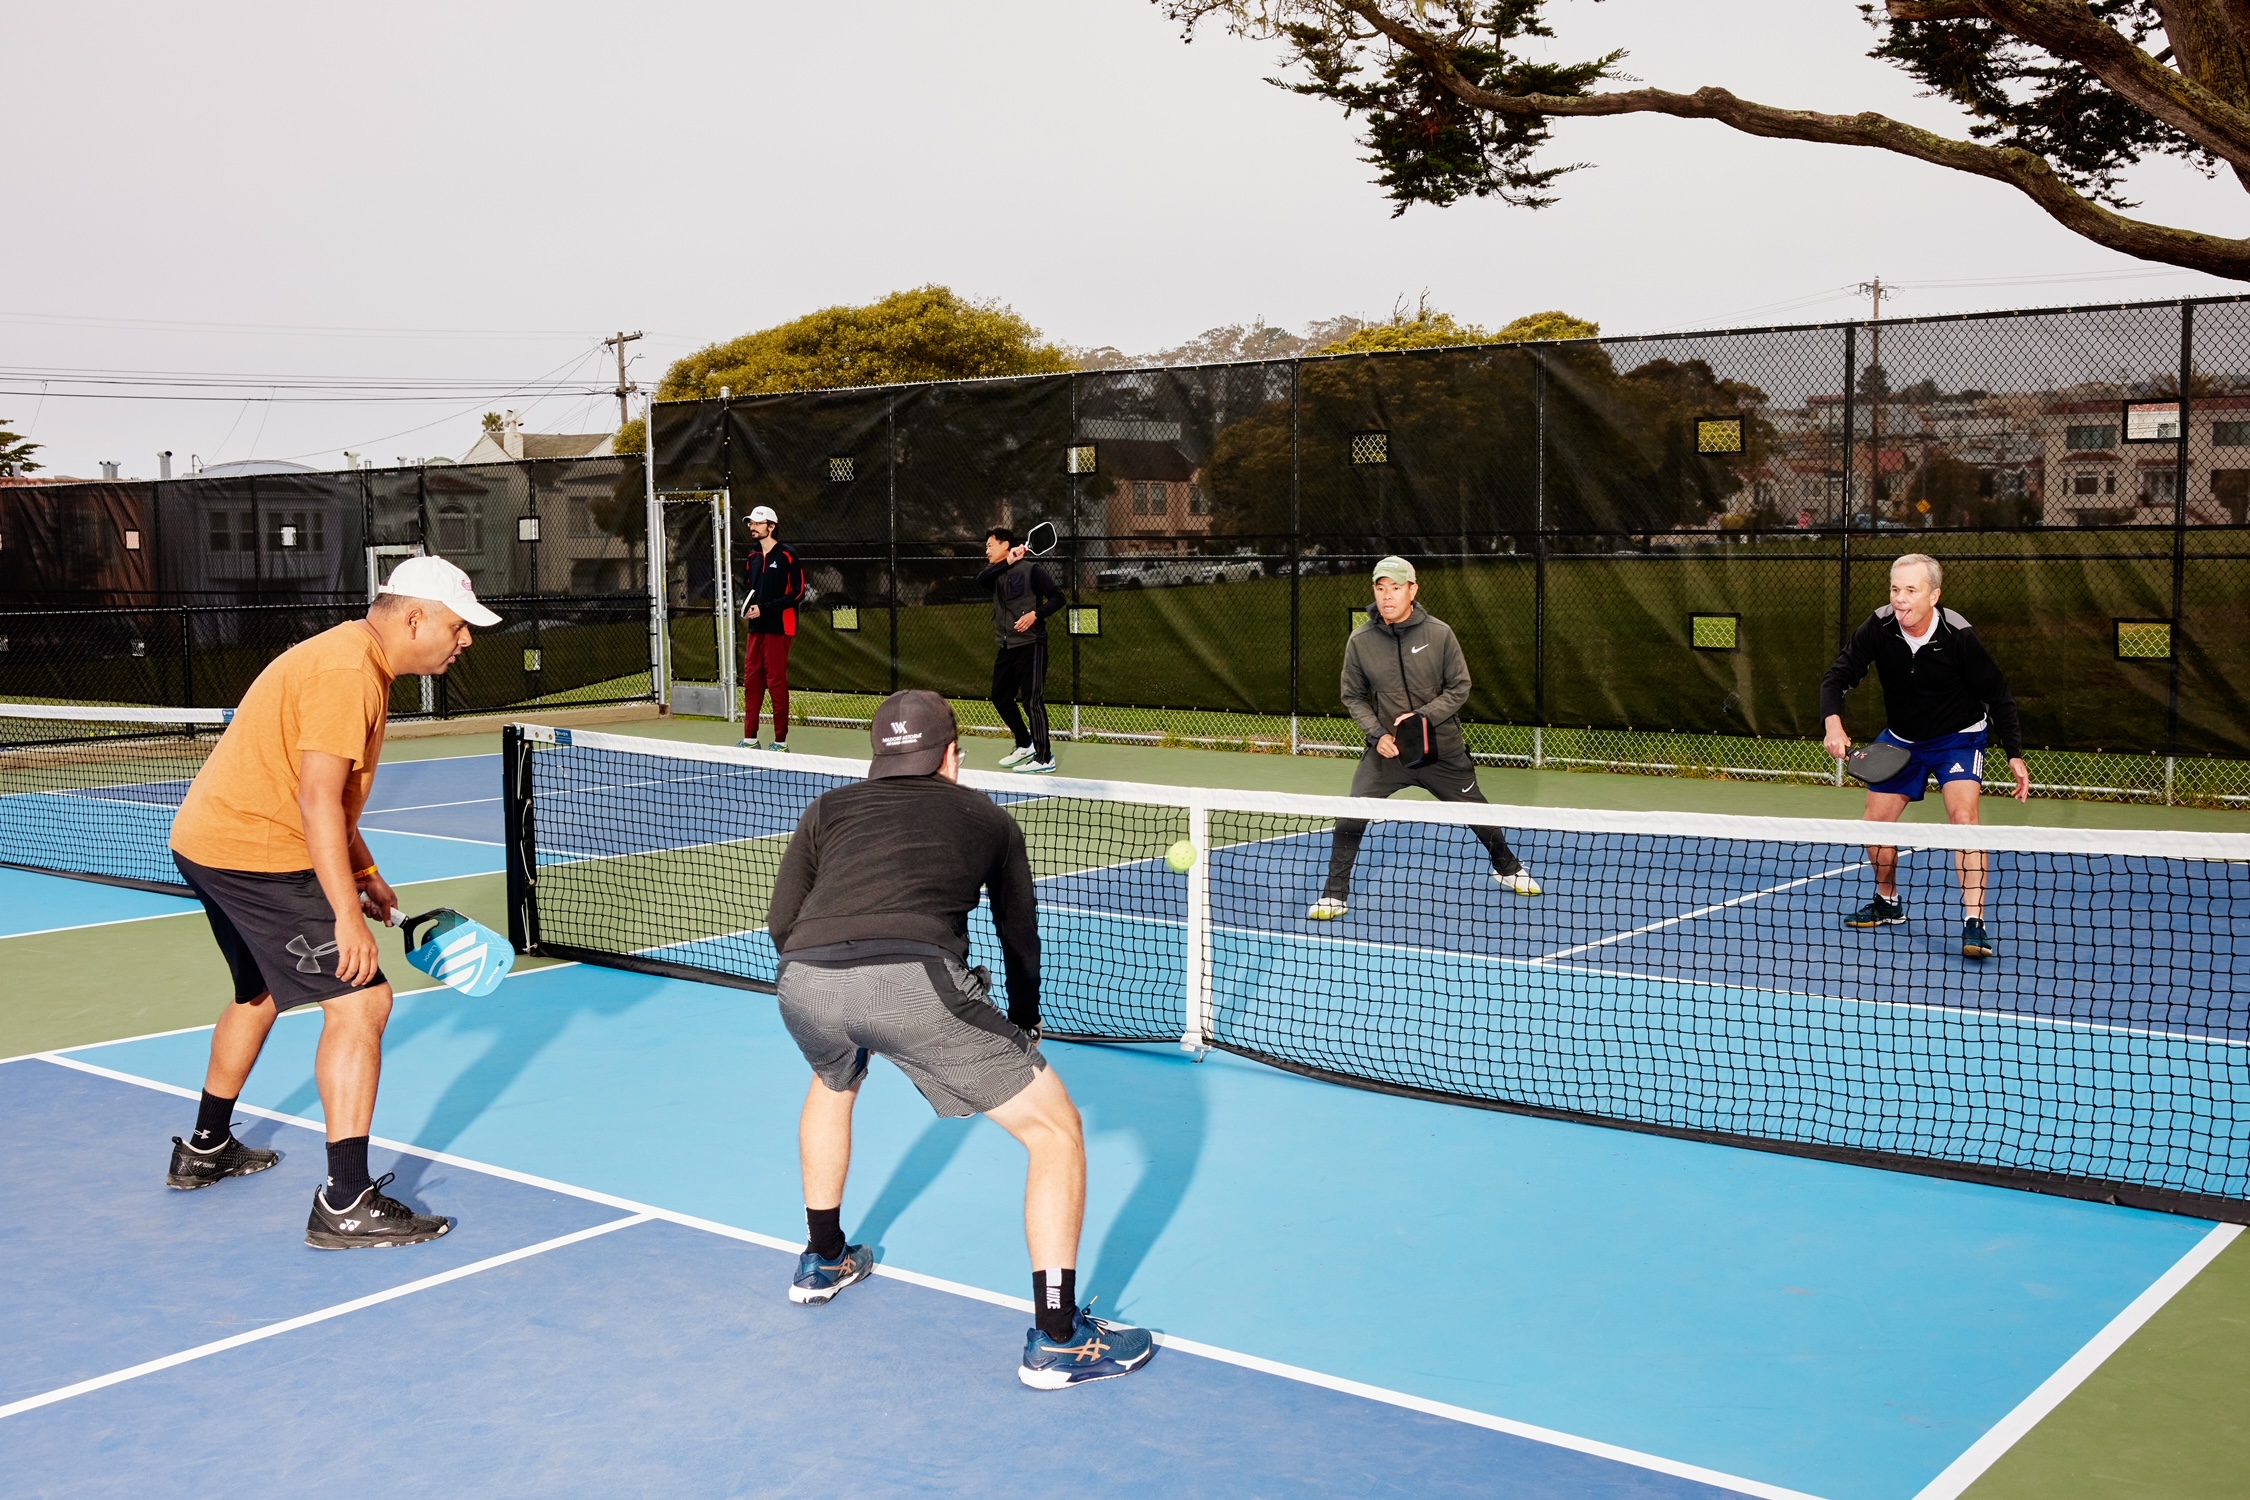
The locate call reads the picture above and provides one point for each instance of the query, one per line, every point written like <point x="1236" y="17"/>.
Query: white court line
<point x="643" y="1211"/>
<point x="306" y="1320"/>
<point x="295" y="1010"/>
<point x="1701" y="911"/>
<point x="194" y="908"/>
<point x="402" y="833"/>
<point x="1964" y="1471"/>
<point x="376" y="812"/>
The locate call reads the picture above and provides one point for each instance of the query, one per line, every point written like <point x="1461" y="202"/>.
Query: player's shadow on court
<point x="1154" y="1095"/>
<point x="517" y="1033"/>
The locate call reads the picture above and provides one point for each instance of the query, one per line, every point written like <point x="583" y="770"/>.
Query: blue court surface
<point x="1797" y="1325"/>
<point x="1361" y="1293"/>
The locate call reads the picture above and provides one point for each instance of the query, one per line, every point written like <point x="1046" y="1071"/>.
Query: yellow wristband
<point x="363" y="874"/>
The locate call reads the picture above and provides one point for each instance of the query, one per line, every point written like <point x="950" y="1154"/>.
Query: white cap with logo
<point x="435" y="579"/>
<point x="765" y="513"/>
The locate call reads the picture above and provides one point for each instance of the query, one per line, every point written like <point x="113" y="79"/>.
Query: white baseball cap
<point x="765" y="513"/>
<point x="435" y="579"/>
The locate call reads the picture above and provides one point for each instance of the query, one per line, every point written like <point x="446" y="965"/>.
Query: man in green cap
<point x="1401" y="662"/>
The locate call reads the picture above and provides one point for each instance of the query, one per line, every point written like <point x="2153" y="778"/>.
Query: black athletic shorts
<point x="276" y="933"/>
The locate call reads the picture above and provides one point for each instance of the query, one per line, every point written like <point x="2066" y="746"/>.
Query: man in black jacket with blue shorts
<point x="1944" y="697"/>
<point x="870" y="915"/>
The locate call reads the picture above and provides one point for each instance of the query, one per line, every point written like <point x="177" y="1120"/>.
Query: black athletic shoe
<point x="1878" y="913"/>
<point x="371" y="1220"/>
<point x="195" y="1169"/>
<point x="1975" y="941"/>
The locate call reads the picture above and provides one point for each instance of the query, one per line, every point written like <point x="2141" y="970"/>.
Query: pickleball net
<point x="89" y="790"/>
<point x="1687" y="974"/>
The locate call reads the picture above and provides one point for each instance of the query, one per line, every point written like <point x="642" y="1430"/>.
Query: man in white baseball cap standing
<point x="268" y="837"/>
<point x="772" y="589"/>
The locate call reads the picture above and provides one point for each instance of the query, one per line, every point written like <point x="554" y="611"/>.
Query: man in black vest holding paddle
<point x="1405" y="675"/>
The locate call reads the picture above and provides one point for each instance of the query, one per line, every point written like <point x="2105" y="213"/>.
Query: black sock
<point x="347" y="1172"/>
<point x="214" y="1122"/>
<point x="1054" y="1302"/>
<point x="826" y="1237"/>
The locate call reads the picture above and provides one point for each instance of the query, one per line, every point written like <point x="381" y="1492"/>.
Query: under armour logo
<point x="309" y="957"/>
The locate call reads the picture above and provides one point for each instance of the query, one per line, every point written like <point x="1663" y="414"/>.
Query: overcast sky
<point x="477" y="193"/>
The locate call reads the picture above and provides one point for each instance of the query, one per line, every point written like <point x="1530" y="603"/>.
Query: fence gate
<point x="376" y="571"/>
<point x="699" y="667"/>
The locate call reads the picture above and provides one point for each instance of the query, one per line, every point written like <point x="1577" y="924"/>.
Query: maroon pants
<point x="765" y="669"/>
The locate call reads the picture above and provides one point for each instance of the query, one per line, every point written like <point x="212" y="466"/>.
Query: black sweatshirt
<point x="1018" y="587"/>
<point x="900" y="861"/>
<point x="1949" y="684"/>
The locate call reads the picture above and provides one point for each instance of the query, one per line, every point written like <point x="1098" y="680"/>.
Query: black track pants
<point x="1020" y="673"/>
<point x="1449" y="778"/>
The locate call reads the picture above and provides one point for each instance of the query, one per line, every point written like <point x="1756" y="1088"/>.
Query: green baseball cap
<point x="1396" y="569"/>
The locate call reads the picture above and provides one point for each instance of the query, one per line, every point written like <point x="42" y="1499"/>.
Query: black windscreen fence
<point x="178" y="592"/>
<point x="1653" y="536"/>
<point x="1668" y="534"/>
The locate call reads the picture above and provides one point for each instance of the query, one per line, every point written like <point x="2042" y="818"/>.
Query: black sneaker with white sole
<point x="198" y="1169"/>
<point x="371" y="1220"/>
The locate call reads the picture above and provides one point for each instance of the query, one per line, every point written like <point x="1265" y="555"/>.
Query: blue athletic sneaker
<point x="818" y="1280"/>
<point x="1878" y="913"/>
<point x="1096" y="1351"/>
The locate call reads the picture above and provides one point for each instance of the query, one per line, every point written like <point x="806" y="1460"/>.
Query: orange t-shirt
<point x="331" y="693"/>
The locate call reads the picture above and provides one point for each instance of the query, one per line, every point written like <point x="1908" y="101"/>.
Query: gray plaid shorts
<point x="931" y="1016"/>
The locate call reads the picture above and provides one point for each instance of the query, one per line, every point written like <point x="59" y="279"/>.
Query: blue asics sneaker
<point x="1975" y="941"/>
<point x="1096" y="1351"/>
<point x="818" y="1280"/>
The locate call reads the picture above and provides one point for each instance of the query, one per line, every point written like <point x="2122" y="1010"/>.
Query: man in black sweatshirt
<point x="870" y="915"/>
<point x="1023" y="595"/>
<point x="1944" y="697"/>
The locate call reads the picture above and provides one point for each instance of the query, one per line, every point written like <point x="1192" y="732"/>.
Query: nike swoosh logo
<point x="1418" y="650"/>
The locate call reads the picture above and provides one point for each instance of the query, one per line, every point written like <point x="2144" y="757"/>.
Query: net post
<point x="1197" y="1035"/>
<point x="523" y="885"/>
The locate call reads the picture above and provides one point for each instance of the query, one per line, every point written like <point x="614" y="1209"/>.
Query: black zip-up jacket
<point x="895" y="865"/>
<point x="776" y="584"/>
<point x="1941" y="689"/>
<point x="1016" y="587"/>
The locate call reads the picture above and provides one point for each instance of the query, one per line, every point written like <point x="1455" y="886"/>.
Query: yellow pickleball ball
<point x="1181" y="856"/>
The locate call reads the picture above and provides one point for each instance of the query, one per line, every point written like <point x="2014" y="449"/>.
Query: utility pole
<point x="1876" y="489"/>
<point x="624" y="388"/>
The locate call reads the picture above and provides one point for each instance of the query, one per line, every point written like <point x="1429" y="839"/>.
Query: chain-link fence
<point x="178" y="592"/>
<point x="1651" y="548"/>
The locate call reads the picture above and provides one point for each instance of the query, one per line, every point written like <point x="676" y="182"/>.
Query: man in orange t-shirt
<point x="268" y="837"/>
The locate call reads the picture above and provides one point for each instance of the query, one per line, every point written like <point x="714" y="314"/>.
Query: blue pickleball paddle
<point x="457" y="952"/>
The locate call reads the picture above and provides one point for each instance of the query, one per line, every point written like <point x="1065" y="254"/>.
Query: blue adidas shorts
<point x="1948" y="757"/>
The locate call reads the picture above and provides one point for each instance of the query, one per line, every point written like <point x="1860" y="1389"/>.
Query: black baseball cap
<point x="910" y="733"/>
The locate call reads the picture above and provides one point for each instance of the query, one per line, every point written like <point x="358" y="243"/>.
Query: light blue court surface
<point x="43" y="903"/>
<point x="1828" y="1329"/>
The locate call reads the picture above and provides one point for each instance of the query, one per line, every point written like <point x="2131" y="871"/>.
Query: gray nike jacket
<point x="1418" y="667"/>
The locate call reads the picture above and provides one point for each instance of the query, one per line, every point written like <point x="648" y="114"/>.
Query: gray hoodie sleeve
<point x="1358" y="692"/>
<point x="1449" y="703"/>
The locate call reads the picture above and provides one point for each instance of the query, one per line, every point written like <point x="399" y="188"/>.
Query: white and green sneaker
<point x="1017" y="756"/>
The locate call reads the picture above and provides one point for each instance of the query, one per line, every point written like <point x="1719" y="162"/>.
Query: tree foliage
<point x="15" y="453"/>
<point x="929" y="333"/>
<point x="1457" y="97"/>
<point x="1462" y="431"/>
<point x="1430" y="328"/>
